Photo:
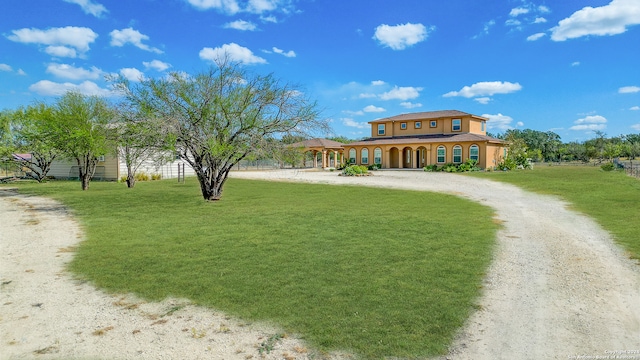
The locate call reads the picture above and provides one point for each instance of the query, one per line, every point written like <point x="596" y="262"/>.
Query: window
<point x="364" y="154"/>
<point x="442" y="154"/>
<point x="352" y="156"/>
<point x="418" y="124"/>
<point x="474" y="152"/>
<point x="377" y="156"/>
<point x="457" y="154"/>
<point x="380" y="129"/>
<point x="403" y="126"/>
<point x="433" y="123"/>
<point x="456" y="125"/>
<point x="100" y="158"/>
<point x="483" y="126"/>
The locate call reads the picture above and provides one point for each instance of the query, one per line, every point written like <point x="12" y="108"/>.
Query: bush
<point x="608" y="166"/>
<point x="156" y="176"/>
<point x="141" y="177"/>
<point x="374" y="167"/>
<point x="355" y="170"/>
<point x="431" y="168"/>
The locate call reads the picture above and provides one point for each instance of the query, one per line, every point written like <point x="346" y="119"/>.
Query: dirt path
<point x="558" y="288"/>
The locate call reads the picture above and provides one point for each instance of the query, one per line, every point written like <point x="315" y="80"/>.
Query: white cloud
<point x="518" y="11"/>
<point x="132" y="74"/>
<point x="5" y="67"/>
<point x="483" y="100"/>
<point x="130" y="36"/>
<point x="519" y="124"/>
<point x="402" y="93"/>
<point x="373" y="109"/>
<point x="226" y="6"/>
<point x="535" y="37"/>
<point x="90" y="7"/>
<point x="241" y="25"/>
<point x="410" y="105"/>
<point x="50" y="88"/>
<point x="575" y="63"/>
<point x="353" y="113"/>
<point x="71" y="72"/>
<point x="485" y="29"/>
<point x="63" y="42"/>
<point x="400" y="37"/>
<point x="367" y="96"/>
<point x="543" y="9"/>
<point x="540" y="20"/>
<point x="352" y="123"/>
<point x="21" y="72"/>
<point x="378" y="83"/>
<point x="513" y="22"/>
<point x="629" y="89"/>
<point x="156" y="65"/>
<point x="590" y="122"/>
<point x="486" y="88"/>
<point x="261" y="6"/>
<point x="634" y="108"/>
<point x="498" y="121"/>
<point x="61" y="51"/>
<point x="611" y="19"/>
<point x="232" y="7"/>
<point x="289" y="53"/>
<point x="636" y="127"/>
<point x="234" y="52"/>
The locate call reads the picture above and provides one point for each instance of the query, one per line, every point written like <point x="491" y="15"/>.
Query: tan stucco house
<point x="416" y="140"/>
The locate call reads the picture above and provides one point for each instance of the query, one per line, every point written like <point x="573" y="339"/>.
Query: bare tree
<point x="218" y="117"/>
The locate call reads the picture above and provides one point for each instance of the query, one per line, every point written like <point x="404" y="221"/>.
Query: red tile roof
<point x="427" y="115"/>
<point x="428" y="139"/>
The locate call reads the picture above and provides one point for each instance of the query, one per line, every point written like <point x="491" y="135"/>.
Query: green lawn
<point x="611" y="198"/>
<point x="376" y="272"/>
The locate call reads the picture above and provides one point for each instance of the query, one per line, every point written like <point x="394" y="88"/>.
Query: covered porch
<point x="332" y="152"/>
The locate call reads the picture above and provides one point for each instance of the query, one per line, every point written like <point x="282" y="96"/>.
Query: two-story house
<point x="416" y="140"/>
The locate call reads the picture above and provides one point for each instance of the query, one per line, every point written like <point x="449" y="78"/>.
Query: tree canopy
<point x="218" y="117"/>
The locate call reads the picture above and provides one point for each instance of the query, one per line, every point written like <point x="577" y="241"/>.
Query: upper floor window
<point x="403" y="126"/>
<point x="377" y="156"/>
<point x="457" y="154"/>
<point x="380" y="129"/>
<point x="364" y="155"/>
<point x="474" y="152"/>
<point x="352" y="156"/>
<point x="456" y="125"/>
<point x="418" y="124"/>
<point x="433" y="123"/>
<point x="442" y="153"/>
<point x="483" y="126"/>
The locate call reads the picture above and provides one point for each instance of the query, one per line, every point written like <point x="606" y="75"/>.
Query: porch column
<point x="387" y="159"/>
<point x="324" y="158"/>
<point x="400" y="155"/>
<point x="315" y="158"/>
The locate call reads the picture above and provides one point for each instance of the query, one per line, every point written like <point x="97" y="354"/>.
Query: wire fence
<point x="632" y="169"/>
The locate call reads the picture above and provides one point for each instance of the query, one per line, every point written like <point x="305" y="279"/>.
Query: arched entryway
<point x="394" y="158"/>
<point x="407" y="158"/>
<point x="421" y="157"/>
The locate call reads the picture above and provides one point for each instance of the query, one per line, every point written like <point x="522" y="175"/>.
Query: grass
<point x="376" y="272"/>
<point x="611" y="198"/>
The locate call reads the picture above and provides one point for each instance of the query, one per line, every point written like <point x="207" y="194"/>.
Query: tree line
<point x="547" y="146"/>
<point x="212" y="120"/>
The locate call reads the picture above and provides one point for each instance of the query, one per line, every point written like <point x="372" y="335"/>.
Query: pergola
<point x="324" y="146"/>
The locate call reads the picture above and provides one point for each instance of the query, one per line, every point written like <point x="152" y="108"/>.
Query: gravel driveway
<point x="558" y="288"/>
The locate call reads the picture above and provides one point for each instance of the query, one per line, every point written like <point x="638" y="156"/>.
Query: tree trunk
<point x="131" y="178"/>
<point x="212" y="189"/>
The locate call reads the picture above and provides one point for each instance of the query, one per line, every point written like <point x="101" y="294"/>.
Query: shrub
<point x="608" y="166"/>
<point x="431" y="168"/>
<point x="374" y="167"/>
<point x="141" y="177"/>
<point x="355" y="170"/>
<point x="156" y="176"/>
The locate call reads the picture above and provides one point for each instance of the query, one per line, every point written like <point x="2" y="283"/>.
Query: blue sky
<point x="568" y="66"/>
